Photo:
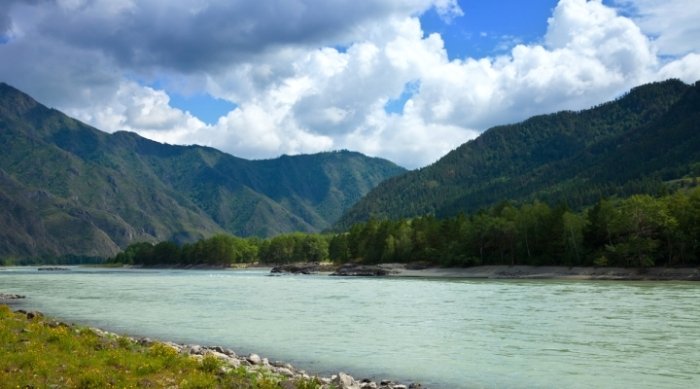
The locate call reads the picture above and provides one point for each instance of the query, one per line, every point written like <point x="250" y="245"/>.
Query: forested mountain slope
<point x="630" y="145"/>
<point x="68" y="188"/>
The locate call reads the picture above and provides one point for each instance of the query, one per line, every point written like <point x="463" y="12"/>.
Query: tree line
<point x="638" y="231"/>
<point x="227" y="250"/>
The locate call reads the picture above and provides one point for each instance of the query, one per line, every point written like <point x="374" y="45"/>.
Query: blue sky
<point x="407" y="80"/>
<point x="490" y="28"/>
<point x="202" y="105"/>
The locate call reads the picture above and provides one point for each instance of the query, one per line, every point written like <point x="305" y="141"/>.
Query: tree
<point x="638" y="227"/>
<point x="531" y="222"/>
<point x="573" y="238"/>
<point x="314" y="248"/>
<point x="165" y="253"/>
<point x="338" y="248"/>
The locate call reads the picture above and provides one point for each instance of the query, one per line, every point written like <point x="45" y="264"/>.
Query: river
<point x="442" y="333"/>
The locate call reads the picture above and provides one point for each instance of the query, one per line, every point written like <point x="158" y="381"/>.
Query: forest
<point x="637" y="231"/>
<point x="632" y="145"/>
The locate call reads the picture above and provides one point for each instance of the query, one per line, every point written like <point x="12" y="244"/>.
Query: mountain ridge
<point x="558" y="157"/>
<point x="113" y="189"/>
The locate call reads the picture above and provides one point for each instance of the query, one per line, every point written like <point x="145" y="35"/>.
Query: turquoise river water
<point x="442" y="333"/>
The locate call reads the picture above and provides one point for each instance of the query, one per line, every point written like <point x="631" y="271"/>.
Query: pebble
<point x="145" y="341"/>
<point x="285" y="372"/>
<point x="254" y="359"/>
<point x="218" y="355"/>
<point x="33" y="314"/>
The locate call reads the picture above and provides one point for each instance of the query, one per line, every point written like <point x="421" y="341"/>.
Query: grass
<point x="39" y="353"/>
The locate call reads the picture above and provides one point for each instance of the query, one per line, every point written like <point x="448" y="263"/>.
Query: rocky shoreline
<point x="253" y="363"/>
<point x="499" y="272"/>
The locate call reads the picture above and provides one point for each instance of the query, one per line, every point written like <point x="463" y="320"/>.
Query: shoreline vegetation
<point x="42" y="352"/>
<point x="637" y="232"/>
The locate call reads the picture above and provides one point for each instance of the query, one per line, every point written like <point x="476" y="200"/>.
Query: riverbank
<point x="476" y="272"/>
<point x="38" y="351"/>
<point x="499" y="272"/>
<point x="550" y="272"/>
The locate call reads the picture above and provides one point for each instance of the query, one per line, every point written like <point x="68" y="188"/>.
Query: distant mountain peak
<point x="15" y="102"/>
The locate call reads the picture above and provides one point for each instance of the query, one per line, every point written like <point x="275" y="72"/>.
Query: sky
<point x="406" y="80"/>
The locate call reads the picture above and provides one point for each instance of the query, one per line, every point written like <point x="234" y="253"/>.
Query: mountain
<point x="68" y="188"/>
<point x="630" y="145"/>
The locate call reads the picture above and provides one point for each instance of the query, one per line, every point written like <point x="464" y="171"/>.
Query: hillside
<point x="630" y="145"/>
<point x="68" y="188"/>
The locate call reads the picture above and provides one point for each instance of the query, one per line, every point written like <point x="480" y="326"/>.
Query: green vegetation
<point x="638" y="231"/>
<point x="226" y="250"/>
<point x="40" y="353"/>
<point x="632" y="145"/>
<point x="67" y="188"/>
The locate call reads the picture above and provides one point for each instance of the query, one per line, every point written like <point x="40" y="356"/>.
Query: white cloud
<point x="300" y="94"/>
<point x="686" y="69"/>
<point x="672" y="23"/>
<point x="140" y="109"/>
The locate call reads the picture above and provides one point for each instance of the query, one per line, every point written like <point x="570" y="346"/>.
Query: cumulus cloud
<point x="686" y="69"/>
<point x="140" y="109"/>
<point x="672" y="23"/>
<point x="308" y="76"/>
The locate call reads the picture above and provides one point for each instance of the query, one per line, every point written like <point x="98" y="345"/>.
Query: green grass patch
<point x="39" y="352"/>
